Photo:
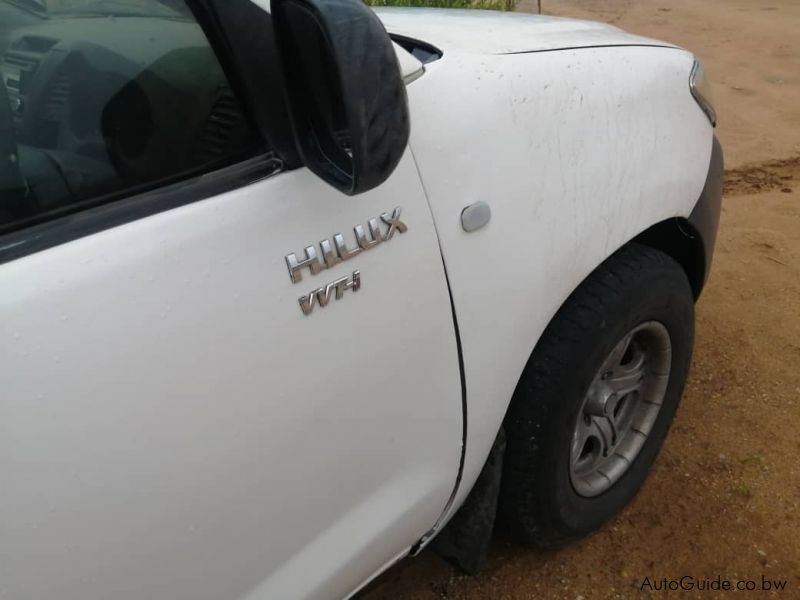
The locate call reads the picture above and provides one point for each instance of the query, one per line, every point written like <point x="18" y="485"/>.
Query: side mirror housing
<point x="347" y="98"/>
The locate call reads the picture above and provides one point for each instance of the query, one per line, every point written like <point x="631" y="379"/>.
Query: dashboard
<point x="43" y="63"/>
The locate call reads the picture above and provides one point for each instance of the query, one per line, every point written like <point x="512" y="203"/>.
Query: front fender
<point x="577" y="152"/>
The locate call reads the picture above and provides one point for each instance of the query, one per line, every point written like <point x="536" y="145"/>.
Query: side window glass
<point x="106" y="97"/>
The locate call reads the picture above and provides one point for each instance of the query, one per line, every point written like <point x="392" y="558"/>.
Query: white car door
<point x="172" y="424"/>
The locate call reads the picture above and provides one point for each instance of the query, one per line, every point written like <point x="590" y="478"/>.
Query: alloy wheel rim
<point x="620" y="409"/>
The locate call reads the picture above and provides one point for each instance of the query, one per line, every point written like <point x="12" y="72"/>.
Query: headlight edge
<point x="697" y="83"/>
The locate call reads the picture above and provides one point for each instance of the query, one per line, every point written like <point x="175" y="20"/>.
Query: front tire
<point x="597" y="398"/>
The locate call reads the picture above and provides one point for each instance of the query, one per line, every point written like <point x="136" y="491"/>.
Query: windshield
<point x="111" y="8"/>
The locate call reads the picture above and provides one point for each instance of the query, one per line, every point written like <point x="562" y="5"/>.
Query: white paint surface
<point x="496" y="32"/>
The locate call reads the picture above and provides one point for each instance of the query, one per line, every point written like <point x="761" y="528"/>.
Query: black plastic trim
<point x="705" y="215"/>
<point x="341" y="72"/>
<point x="410" y="44"/>
<point x="465" y="540"/>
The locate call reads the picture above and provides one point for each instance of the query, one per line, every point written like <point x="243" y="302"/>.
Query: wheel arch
<point x="690" y="241"/>
<point x="464" y="541"/>
<point x="679" y="239"/>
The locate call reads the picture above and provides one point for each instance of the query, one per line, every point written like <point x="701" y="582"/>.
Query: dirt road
<point x="724" y="496"/>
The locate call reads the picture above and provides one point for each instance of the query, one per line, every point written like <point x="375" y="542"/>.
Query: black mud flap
<point x="464" y="542"/>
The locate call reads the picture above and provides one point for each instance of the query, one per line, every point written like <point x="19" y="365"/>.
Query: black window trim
<point x="263" y="107"/>
<point x="83" y="223"/>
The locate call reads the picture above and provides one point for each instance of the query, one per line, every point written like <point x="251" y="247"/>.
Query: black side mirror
<point x="346" y="95"/>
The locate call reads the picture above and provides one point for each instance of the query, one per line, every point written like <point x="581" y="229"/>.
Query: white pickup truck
<point x="285" y="297"/>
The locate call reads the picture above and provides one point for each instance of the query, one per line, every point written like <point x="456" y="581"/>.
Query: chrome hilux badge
<point x="381" y="229"/>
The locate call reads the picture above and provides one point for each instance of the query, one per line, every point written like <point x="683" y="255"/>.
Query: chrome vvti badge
<point x="323" y="295"/>
<point x="335" y="250"/>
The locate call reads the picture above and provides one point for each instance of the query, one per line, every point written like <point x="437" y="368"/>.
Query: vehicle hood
<point x="495" y="32"/>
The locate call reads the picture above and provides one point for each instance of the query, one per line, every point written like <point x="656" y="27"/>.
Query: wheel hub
<point x="620" y="408"/>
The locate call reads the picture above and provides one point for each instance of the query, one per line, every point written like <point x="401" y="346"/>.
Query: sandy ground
<point x="724" y="496"/>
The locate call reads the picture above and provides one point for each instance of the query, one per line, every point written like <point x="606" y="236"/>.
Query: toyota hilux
<point x="292" y="290"/>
